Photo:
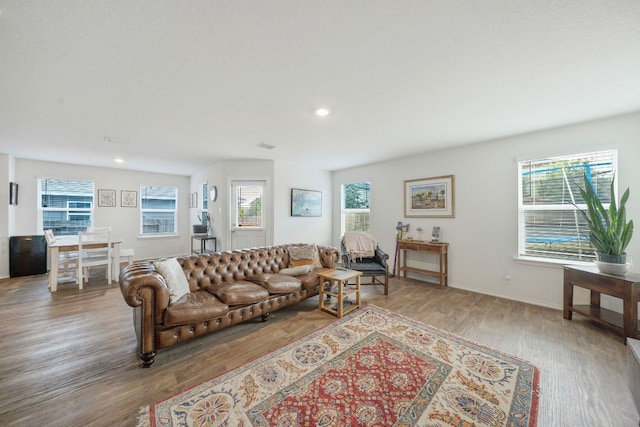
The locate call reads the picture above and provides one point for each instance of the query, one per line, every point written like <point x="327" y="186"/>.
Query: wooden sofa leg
<point x="265" y="317"/>
<point x="148" y="359"/>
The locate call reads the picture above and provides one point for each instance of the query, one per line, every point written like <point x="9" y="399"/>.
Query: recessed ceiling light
<point x="322" y="112"/>
<point x="118" y="160"/>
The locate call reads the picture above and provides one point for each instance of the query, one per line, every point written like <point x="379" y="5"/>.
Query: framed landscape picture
<point x="429" y="197"/>
<point x="306" y="202"/>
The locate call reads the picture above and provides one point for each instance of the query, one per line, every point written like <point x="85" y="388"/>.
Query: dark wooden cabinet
<point x="626" y="287"/>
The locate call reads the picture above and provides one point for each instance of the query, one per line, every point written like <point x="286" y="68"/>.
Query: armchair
<point x="361" y="252"/>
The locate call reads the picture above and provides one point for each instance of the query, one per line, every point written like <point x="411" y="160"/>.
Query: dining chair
<point x="67" y="260"/>
<point x="95" y="249"/>
<point x="126" y="254"/>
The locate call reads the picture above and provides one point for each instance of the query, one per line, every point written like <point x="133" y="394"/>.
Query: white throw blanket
<point x="359" y="244"/>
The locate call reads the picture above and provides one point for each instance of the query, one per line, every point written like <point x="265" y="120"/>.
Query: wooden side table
<point x="626" y="287"/>
<point x="439" y="248"/>
<point x="341" y="278"/>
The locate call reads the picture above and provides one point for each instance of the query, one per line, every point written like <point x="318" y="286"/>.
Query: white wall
<point x="7" y="212"/>
<point x="281" y="176"/>
<point x="483" y="234"/>
<point x="125" y="222"/>
<point x="288" y="229"/>
<point x="281" y="227"/>
<point x="221" y="174"/>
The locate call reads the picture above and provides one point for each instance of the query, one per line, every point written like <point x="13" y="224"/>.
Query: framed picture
<point x="435" y="234"/>
<point x="306" y="202"/>
<point x="107" y="198"/>
<point x="128" y="199"/>
<point x="429" y="197"/>
<point x="13" y="193"/>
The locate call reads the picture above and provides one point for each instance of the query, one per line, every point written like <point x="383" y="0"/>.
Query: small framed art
<point x="107" y="198"/>
<point x="128" y="199"/>
<point x="13" y="193"/>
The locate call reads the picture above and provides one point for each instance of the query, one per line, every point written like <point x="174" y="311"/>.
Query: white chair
<point x="98" y="230"/>
<point x="126" y="254"/>
<point x="67" y="260"/>
<point x="95" y="249"/>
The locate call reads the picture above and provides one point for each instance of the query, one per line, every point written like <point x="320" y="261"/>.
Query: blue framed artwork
<point x="306" y="202"/>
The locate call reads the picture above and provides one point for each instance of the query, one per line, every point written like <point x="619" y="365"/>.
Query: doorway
<point x="247" y="214"/>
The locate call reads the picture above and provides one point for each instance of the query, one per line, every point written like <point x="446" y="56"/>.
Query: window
<point x="66" y="207"/>
<point x="205" y="205"/>
<point x="158" y="210"/>
<point x="356" y="201"/>
<point x="550" y="226"/>
<point x="249" y="205"/>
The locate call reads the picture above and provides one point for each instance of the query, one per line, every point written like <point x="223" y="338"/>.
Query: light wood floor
<point x="69" y="358"/>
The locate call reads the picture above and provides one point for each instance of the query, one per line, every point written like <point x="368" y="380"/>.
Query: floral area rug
<point x="370" y="368"/>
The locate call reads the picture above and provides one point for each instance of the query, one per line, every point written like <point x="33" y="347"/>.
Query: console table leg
<point x="568" y="300"/>
<point x="630" y="317"/>
<point x="595" y="299"/>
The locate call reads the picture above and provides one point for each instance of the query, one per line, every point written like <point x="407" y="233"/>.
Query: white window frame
<point x="343" y="209"/>
<point x="143" y="192"/>
<point x="580" y="232"/>
<point x="241" y="204"/>
<point x="87" y="212"/>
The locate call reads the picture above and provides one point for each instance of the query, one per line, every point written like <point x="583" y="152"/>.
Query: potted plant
<point x="609" y="230"/>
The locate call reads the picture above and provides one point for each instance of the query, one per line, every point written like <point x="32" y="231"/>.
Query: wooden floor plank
<point x="69" y="358"/>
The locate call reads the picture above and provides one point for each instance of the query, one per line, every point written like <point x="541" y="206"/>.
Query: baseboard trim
<point x="511" y="297"/>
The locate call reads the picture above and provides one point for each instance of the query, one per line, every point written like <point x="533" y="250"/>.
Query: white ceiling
<point x="181" y="84"/>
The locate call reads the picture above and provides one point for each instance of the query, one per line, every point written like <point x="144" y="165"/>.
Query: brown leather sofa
<point x="225" y="288"/>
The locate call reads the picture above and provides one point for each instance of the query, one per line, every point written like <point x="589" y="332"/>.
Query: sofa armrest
<point x="328" y="256"/>
<point x="141" y="285"/>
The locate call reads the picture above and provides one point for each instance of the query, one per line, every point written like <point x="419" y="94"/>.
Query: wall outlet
<point x="507" y="279"/>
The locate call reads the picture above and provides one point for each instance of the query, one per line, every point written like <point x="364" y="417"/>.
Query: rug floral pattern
<point x="370" y="368"/>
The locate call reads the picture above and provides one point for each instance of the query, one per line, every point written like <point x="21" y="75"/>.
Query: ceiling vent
<point x="112" y="140"/>
<point x="266" y="146"/>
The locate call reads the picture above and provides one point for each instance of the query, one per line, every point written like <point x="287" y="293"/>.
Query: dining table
<point x="70" y="244"/>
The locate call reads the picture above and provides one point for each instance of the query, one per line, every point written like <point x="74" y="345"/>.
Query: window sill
<point x="559" y="263"/>
<point x="158" y="236"/>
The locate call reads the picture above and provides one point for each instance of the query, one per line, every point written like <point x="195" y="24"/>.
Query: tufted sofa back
<point x="205" y="270"/>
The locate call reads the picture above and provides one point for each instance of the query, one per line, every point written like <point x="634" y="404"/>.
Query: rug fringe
<point x="143" y="417"/>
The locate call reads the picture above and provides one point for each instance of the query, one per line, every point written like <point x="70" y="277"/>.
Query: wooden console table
<point x="439" y="248"/>
<point x="625" y="287"/>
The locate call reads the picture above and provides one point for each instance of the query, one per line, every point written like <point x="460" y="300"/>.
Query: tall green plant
<point x="609" y="231"/>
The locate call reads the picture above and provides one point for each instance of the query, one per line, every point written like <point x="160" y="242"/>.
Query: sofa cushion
<point x="297" y="271"/>
<point x="305" y="252"/>
<point x="310" y="280"/>
<point x="174" y="276"/>
<point x="300" y="263"/>
<point x="239" y="293"/>
<point x="194" y="307"/>
<point x="277" y="283"/>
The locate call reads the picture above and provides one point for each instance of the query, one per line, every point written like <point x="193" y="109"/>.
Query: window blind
<point x="550" y="225"/>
